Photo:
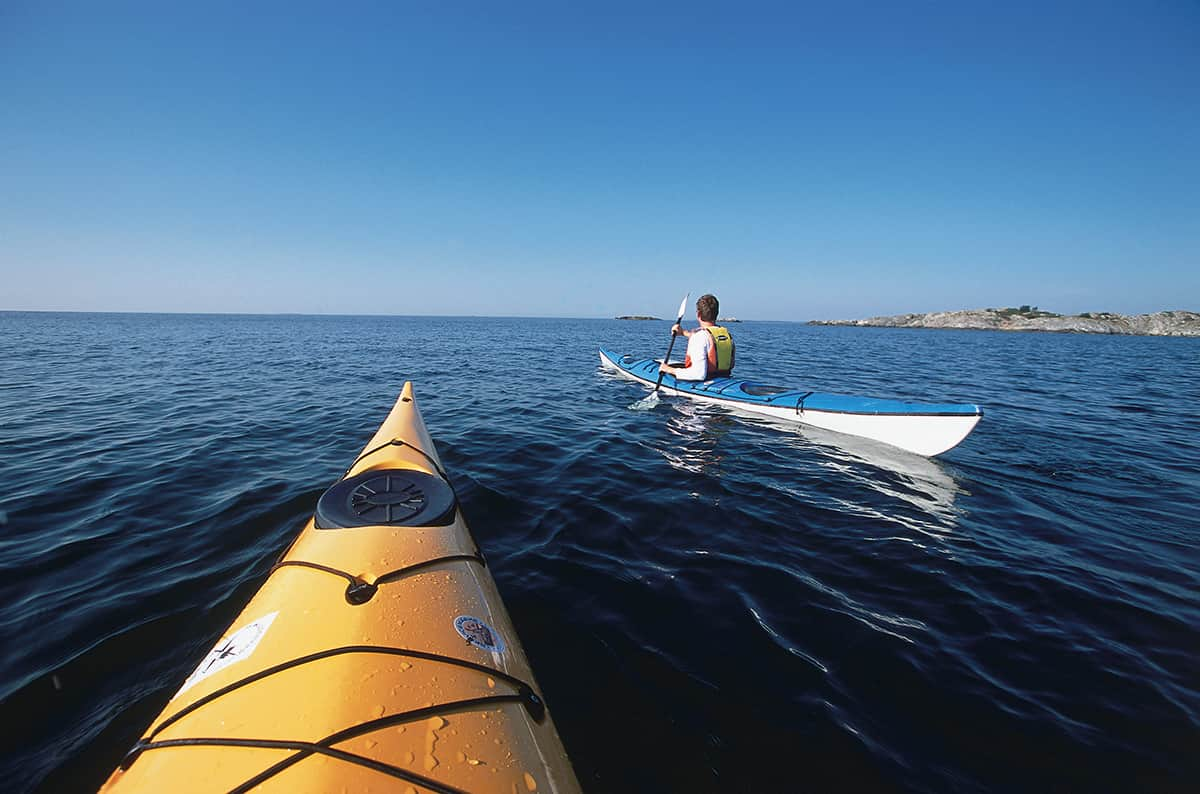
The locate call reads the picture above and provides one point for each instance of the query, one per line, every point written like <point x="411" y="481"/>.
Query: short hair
<point x="708" y="307"/>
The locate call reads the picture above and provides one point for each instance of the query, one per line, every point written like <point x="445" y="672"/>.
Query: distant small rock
<point x="728" y="320"/>
<point x="638" y="317"/>
<point x="1030" y="318"/>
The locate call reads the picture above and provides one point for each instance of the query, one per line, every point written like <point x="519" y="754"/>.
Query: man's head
<point x="707" y="308"/>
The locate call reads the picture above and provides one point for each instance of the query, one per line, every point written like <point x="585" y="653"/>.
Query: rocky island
<point x="637" y="317"/>
<point x="1030" y="318"/>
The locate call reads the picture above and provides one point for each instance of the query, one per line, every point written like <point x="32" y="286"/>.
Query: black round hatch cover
<point x="386" y="497"/>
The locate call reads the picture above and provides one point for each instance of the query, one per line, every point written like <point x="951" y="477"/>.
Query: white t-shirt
<point x="698" y="346"/>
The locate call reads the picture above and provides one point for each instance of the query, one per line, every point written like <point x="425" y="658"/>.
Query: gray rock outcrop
<point x="1166" y="323"/>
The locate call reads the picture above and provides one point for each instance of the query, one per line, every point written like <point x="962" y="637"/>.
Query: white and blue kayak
<point x="923" y="428"/>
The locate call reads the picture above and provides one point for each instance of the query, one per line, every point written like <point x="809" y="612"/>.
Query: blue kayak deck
<point x="739" y="390"/>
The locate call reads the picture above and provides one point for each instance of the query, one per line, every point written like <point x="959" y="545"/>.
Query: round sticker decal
<point x="478" y="633"/>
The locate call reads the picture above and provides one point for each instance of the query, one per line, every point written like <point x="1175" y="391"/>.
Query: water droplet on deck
<point x="530" y="783"/>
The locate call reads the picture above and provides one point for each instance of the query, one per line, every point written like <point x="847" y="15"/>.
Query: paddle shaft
<point x="667" y="358"/>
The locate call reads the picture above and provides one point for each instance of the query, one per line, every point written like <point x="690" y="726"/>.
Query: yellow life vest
<point x="720" y="355"/>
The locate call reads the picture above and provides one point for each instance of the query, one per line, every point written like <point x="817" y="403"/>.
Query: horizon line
<point x="344" y="314"/>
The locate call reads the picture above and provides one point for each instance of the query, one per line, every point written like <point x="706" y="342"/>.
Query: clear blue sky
<point x="800" y="160"/>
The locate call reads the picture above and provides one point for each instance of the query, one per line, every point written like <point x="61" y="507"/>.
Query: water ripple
<point x="774" y="608"/>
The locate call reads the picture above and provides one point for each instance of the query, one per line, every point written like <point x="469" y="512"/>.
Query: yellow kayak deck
<point x="377" y="656"/>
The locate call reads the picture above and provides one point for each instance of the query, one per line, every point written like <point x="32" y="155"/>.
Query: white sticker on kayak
<point x="478" y="633"/>
<point x="234" y="648"/>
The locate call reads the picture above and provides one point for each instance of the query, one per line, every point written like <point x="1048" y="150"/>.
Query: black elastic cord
<point x="353" y="758"/>
<point x="315" y="566"/>
<point x="800" y="402"/>
<point x="360" y="591"/>
<point x="400" y="573"/>
<point x="369" y="727"/>
<point x="524" y="691"/>
<point x="395" y="442"/>
<point x="390" y="576"/>
<point x="325" y="746"/>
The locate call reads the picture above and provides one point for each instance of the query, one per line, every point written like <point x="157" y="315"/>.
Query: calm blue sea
<point x="710" y="603"/>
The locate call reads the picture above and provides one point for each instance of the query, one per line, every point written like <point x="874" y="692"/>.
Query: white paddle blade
<point x="683" y="307"/>
<point x="647" y="403"/>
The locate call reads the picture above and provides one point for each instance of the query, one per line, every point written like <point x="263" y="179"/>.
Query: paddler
<point x="710" y="350"/>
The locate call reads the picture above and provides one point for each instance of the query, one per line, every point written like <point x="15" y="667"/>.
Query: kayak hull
<point x="922" y="428"/>
<point x="377" y="655"/>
